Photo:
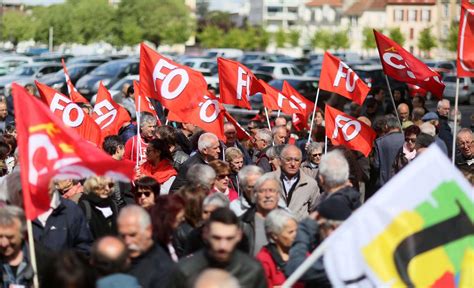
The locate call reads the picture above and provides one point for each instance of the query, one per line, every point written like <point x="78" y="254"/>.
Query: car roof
<point x="36" y="64"/>
<point x="277" y="64"/>
<point x="367" y="67"/>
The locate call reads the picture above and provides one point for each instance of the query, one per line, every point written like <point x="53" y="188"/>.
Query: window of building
<point x="446" y="10"/>
<point x="412" y="15"/>
<point x="398" y="15"/>
<point x="426" y="15"/>
<point x="293" y="10"/>
<point x="412" y="33"/>
<point x="273" y="9"/>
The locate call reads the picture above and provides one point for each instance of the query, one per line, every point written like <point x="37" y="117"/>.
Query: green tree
<point x="369" y="39"/>
<point x="234" y="38"/>
<point x="426" y="41"/>
<point x="322" y="39"/>
<point x="294" y="38"/>
<point x="94" y="20"/>
<point x="211" y="37"/>
<point x="451" y="42"/>
<point x="340" y="40"/>
<point x="262" y="38"/>
<point x="16" y="27"/>
<point x="60" y="19"/>
<point x="396" y="35"/>
<point x="280" y="38"/>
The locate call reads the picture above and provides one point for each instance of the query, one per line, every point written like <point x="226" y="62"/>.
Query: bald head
<point x="109" y="255"/>
<point x="216" y="278"/>
<point x="111" y="247"/>
<point x="365" y="120"/>
<point x="403" y="111"/>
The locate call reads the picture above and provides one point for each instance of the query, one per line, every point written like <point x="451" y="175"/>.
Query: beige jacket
<point x="304" y="196"/>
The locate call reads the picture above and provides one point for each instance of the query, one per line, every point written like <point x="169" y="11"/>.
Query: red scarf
<point x="161" y="172"/>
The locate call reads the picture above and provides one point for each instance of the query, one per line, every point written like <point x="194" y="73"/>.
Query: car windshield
<point x="250" y="57"/>
<point x="26" y="70"/>
<point x="211" y="54"/>
<point x="268" y="69"/>
<point x="313" y="73"/>
<point x="73" y="71"/>
<point x="109" y="69"/>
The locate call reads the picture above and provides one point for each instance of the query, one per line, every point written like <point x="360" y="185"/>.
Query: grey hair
<point x="276" y="221"/>
<point x="276" y="128"/>
<point x="205" y="140"/>
<point x="314" y="146"/>
<point x="392" y="121"/>
<point x="428" y="128"/>
<point x="265" y="135"/>
<point x="138" y="211"/>
<point x="275" y="151"/>
<point x="290" y="146"/>
<point x="464" y="131"/>
<point x="246" y="171"/>
<point x="146" y="118"/>
<point x="262" y="180"/>
<point x="201" y="175"/>
<point x="229" y="124"/>
<point x="441" y="102"/>
<point x="334" y="169"/>
<point x="217" y="199"/>
<point x="216" y="278"/>
<point x="9" y="213"/>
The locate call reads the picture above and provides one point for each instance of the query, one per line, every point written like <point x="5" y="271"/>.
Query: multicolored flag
<point x="416" y="231"/>
<point x="50" y="149"/>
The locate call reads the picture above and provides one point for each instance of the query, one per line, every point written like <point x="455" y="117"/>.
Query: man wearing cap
<point x="432" y="118"/>
<point x="311" y="231"/>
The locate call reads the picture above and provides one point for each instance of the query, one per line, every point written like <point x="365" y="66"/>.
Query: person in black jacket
<point x="445" y="132"/>
<point x="150" y="264"/>
<point x="222" y="235"/>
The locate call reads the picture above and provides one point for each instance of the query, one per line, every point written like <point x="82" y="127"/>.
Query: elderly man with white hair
<point x="465" y="158"/>
<point x="151" y="265"/>
<point x="334" y="178"/>
<point x="445" y="132"/>
<point x="247" y="177"/>
<point x="262" y="142"/>
<point x="208" y="150"/>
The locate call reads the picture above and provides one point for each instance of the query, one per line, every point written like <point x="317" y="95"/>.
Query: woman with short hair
<point x="221" y="184"/>
<point x="145" y="191"/>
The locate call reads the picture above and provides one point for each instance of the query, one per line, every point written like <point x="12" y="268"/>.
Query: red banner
<point x="403" y="66"/>
<point x="50" y="149"/>
<point x="241" y="133"/>
<point x="345" y="130"/>
<point x="109" y="115"/>
<point x="275" y="100"/>
<point x="70" y="113"/>
<point x="465" y="60"/>
<point x="236" y="83"/>
<point x="339" y="78"/>
<point x="75" y="96"/>
<point x="299" y="119"/>
<point x="143" y="103"/>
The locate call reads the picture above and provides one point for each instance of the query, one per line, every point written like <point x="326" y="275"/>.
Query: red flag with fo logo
<point x="465" y="60"/>
<point x="299" y="119"/>
<point x="70" y="113"/>
<point x="109" y="115"/>
<point x="143" y="103"/>
<point x="169" y="82"/>
<point x="48" y="149"/>
<point x="339" y="78"/>
<point x="276" y="100"/>
<point x="401" y="65"/>
<point x="345" y="130"/>
<point x="236" y="83"/>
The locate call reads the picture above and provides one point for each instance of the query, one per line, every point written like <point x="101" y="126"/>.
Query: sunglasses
<point x="146" y="193"/>
<point x="223" y="176"/>
<point x="410" y="140"/>
<point x="316" y="155"/>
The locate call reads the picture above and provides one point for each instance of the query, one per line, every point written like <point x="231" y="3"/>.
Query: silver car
<point x="466" y="89"/>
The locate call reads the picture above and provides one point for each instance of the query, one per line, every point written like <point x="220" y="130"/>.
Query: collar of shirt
<point x="55" y="202"/>
<point x="289" y="182"/>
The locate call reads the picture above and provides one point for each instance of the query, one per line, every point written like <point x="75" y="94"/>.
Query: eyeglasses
<point x="223" y="176"/>
<point x="140" y="194"/>
<point x="466" y="143"/>
<point x="316" y="155"/>
<point x="291" y="159"/>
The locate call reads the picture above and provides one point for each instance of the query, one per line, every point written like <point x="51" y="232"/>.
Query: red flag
<point x="70" y="113"/>
<point x="465" y="60"/>
<point x="205" y="112"/>
<point x="299" y="119"/>
<point x="109" y="115"/>
<point x="169" y="82"/>
<point x="50" y="149"/>
<point x="339" y="78"/>
<point x="403" y="66"/>
<point x="241" y="133"/>
<point x="76" y="97"/>
<point x="345" y="130"/>
<point x="143" y="103"/>
<point x="236" y="83"/>
<point x="275" y="100"/>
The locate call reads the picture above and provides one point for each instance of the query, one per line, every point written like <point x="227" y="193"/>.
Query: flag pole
<point x="312" y="117"/>
<point x="139" y="141"/>
<point x="315" y="255"/>
<point x="31" y="242"/>
<point x="268" y="119"/>
<point x="456" y="100"/>
<point x="393" y="103"/>
<point x="278" y="113"/>
<point x="325" y="144"/>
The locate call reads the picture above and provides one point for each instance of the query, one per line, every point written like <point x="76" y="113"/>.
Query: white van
<point x="227" y="53"/>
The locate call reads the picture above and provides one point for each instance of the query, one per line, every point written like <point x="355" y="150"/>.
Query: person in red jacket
<point x="281" y="228"/>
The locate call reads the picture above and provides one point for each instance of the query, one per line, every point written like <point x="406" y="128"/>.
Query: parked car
<point x="27" y="74"/>
<point x="313" y="72"/>
<point x="116" y="89"/>
<point x="373" y="75"/>
<point x="466" y="89"/>
<point x="52" y="57"/>
<point x="108" y="73"/>
<point x="228" y="53"/>
<point x="76" y="71"/>
<point x="10" y="62"/>
<point x="88" y="59"/>
<point x="441" y="66"/>
<point x="280" y="70"/>
<point x="203" y="65"/>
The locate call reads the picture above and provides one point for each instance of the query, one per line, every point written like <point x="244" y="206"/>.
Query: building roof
<point x="360" y="6"/>
<point x="411" y="2"/>
<point x="318" y="3"/>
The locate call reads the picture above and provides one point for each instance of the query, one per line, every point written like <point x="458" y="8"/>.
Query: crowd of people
<point x="208" y="213"/>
